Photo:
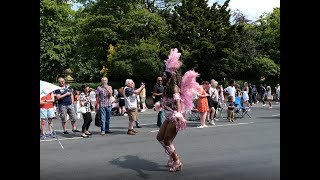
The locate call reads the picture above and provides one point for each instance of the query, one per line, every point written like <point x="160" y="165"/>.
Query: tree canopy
<point x="132" y="38"/>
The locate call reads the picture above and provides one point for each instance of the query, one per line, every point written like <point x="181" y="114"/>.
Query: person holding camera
<point x="130" y="99"/>
<point x="104" y="103"/>
<point x="65" y="103"/>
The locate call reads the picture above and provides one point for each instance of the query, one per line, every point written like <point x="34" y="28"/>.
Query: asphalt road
<point x="247" y="149"/>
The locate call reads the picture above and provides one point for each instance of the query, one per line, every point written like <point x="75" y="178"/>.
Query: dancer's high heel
<point x="177" y="166"/>
<point x="170" y="162"/>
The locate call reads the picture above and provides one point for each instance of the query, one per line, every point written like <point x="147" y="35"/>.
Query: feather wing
<point x="189" y="89"/>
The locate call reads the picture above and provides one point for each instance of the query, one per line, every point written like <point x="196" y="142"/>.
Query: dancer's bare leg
<point x="169" y="136"/>
<point x="160" y="138"/>
<point x="162" y="130"/>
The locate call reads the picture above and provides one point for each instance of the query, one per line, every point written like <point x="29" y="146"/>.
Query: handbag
<point x="112" y="99"/>
<point x="82" y="110"/>
<point x="97" y="120"/>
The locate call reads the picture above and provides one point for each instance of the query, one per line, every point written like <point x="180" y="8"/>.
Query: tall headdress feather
<point x="173" y="63"/>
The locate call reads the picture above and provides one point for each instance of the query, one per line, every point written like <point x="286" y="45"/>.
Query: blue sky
<point x="251" y="8"/>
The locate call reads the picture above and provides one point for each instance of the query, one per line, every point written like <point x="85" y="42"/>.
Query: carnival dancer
<point x="177" y="98"/>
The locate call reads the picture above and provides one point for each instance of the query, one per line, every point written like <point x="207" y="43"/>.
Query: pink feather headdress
<point x="173" y="63"/>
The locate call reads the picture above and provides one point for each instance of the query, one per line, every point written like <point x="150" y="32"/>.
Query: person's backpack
<point x="97" y="119"/>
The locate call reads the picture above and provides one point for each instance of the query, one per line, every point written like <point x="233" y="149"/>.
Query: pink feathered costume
<point x="188" y="89"/>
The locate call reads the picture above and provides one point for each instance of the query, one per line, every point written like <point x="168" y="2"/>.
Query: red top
<point x="47" y="105"/>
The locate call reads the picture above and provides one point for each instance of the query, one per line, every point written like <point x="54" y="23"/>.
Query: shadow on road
<point x="137" y="164"/>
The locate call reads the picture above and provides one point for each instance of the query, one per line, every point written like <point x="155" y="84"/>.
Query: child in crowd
<point x="230" y="110"/>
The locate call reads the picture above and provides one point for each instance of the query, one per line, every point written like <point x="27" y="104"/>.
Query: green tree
<point x="268" y="27"/>
<point x="56" y="38"/>
<point x="266" y="67"/>
<point x="205" y="37"/>
<point x="141" y="62"/>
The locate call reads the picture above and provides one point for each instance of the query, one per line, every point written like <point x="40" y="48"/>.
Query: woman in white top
<point x="245" y="95"/>
<point x="269" y="96"/>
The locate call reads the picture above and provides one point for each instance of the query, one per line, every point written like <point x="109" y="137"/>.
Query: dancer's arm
<point x="178" y="100"/>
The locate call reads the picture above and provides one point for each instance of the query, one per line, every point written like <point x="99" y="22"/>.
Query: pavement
<point x="247" y="149"/>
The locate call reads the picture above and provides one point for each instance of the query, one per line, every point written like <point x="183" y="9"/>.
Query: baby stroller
<point x="115" y="109"/>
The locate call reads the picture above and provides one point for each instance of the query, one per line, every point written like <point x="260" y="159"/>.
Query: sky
<point x="252" y="9"/>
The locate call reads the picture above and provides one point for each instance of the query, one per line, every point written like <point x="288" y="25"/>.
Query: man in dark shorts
<point x="65" y="105"/>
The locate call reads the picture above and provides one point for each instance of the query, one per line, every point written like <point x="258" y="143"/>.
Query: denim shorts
<point x="47" y="113"/>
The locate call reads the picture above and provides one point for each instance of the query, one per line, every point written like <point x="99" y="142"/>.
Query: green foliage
<point x="268" y="27"/>
<point x="131" y="38"/>
<point x="267" y="67"/>
<point x="56" y="37"/>
<point x="139" y="62"/>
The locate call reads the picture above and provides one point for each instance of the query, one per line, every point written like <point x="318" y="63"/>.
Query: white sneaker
<point x="200" y="127"/>
<point x="212" y="122"/>
<point x="125" y="114"/>
<point x="205" y="125"/>
<point x="143" y="110"/>
<point x="215" y="119"/>
<point x="264" y="105"/>
<point x="249" y="109"/>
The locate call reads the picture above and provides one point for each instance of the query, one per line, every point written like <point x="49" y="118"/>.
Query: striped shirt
<point x="103" y="98"/>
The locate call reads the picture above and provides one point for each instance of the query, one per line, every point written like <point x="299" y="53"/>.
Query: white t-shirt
<point x="213" y="92"/>
<point x="231" y="91"/>
<point x="130" y="99"/>
<point x="278" y="90"/>
<point x="93" y="96"/>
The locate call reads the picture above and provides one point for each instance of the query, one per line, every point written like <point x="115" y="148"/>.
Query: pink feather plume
<point x="173" y="63"/>
<point x="189" y="89"/>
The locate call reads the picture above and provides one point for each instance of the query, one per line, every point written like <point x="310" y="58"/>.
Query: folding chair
<point x="219" y="111"/>
<point x="241" y="111"/>
<point x="194" y="115"/>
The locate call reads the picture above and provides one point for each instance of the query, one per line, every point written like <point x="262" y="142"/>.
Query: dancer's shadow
<point x="137" y="164"/>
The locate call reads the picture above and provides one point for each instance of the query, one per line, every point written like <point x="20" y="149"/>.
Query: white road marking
<point x="210" y="126"/>
<point x="276" y="115"/>
<point x="55" y="139"/>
